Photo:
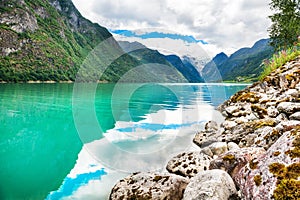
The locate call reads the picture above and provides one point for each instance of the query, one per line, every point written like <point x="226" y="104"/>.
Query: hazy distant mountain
<point x="243" y="65"/>
<point x="211" y="71"/>
<point x="146" y="55"/>
<point x="186" y="68"/>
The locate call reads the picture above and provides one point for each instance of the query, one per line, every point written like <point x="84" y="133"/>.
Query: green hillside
<point x="48" y="41"/>
<point x="243" y="65"/>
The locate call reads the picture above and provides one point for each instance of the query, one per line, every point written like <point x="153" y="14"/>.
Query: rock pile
<point x="253" y="154"/>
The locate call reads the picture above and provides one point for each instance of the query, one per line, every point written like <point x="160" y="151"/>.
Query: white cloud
<point x="227" y="24"/>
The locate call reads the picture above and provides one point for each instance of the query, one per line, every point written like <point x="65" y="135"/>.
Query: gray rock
<point x="288" y="107"/>
<point x="218" y="148"/>
<point x="207" y="151"/>
<point x="267" y="136"/>
<point x="292" y="92"/>
<point x="189" y="164"/>
<point x="233" y="160"/>
<point x="287" y="125"/>
<point x="228" y="124"/>
<point x="206" y="138"/>
<point x="232" y="146"/>
<point x="248" y="140"/>
<point x="23" y="21"/>
<point x="281" y="117"/>
<point x="297" y="86"/>
<point x="272" y="172"/>
<point x="150" y="186"/>
<point x="272" y="111"/>
<point x="295" y="116"/>
<point x="210" y="185"/>
<point x="232" y="109"/>
<point x="211" y="126"/>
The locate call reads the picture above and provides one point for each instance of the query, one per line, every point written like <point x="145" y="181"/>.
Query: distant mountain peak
<point x="244" y="64"/>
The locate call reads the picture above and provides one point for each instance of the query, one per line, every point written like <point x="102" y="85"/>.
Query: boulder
<point x="295" y="116"/>
<point x="210" y="185"/>
<point x="189" y="164"/>
<point x="228" y="124"/>
<point x="150" y="186"/>
<point x="288" y="107"/>
<point x="206" y="138"/>
<point x="248" y="140"/>
<point x="275" y="174"/>
<point x="232" y="146"/>
<point x="266" y="136"/>
<point x="218" y="148"/>
<point x="234" y="160"/>
<point x="211" y="126"/>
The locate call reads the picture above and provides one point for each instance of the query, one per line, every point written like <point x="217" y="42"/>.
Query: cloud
<point x="228" y="24"/>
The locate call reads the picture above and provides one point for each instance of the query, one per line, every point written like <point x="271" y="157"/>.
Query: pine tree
<point x="285" y="29"/>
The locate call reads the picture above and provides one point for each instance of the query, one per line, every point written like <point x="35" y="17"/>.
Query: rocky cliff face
<point x="257" y="145"/>
<point x="48" y="40"/>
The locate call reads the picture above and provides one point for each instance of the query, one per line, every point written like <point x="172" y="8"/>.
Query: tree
<point x="285" y="29"/>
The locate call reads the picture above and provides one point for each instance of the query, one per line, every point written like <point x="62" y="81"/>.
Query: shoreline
<point x="248" y="156"/>
<point x="105" y="82"/>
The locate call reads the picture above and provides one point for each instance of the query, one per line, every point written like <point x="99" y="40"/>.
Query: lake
<point x="66" y="141"/>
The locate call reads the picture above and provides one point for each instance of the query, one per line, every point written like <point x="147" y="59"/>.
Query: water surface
<point x="50" y="147"/>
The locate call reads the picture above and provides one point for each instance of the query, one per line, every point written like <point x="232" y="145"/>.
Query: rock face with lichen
<point x="274" y="174"/>
<point x="264" y="121"/>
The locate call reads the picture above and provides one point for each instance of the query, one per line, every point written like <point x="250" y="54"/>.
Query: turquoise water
<point x="51" y="148"/>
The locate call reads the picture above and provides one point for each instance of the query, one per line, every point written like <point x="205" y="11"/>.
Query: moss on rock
<point x="288" y="183"/>
<point x="257" y="180"/>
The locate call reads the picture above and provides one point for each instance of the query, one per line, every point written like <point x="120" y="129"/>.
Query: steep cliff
<point x="48" y="40"/>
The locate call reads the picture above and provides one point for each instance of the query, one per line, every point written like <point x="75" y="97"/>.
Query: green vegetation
<point x="245" y="65"/>
<point x="284" y="34"/>
<point x="279" y="59"/>
<point x="285" y="29"/>
<point x="56" y="49"/>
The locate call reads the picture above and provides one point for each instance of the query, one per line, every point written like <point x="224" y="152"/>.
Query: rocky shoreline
<point x="253" y="154"/>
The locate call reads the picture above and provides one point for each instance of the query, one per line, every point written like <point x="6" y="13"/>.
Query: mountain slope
<point x="186" y="68"/>
<point x="146" y="55"/>
<point x="210" y="71"/>
<point x="49" y="40"/>
<point x="244" y="64"/>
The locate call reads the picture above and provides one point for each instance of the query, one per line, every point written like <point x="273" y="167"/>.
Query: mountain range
<point x="146" y="55"/>
<point x="51" y="41"/>
<point x="243" y="65"/>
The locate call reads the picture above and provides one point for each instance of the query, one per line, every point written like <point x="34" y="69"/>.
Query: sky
<point x="226" y="25"/>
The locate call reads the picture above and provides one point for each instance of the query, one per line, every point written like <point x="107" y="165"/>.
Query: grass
<point x="279" y="59"/>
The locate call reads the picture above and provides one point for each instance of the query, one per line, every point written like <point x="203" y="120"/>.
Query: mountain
<point x="49" y="41"/>
<point x="243" y="65"/>
<point x="210" y="71"/>
<point x="186" y="68"/>
<point x="146" y="55"/>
